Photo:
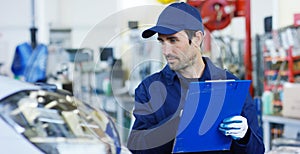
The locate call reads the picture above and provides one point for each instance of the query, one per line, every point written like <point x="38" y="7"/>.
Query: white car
<point x="42" y="119"/>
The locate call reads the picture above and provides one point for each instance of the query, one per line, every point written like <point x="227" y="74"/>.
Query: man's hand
<point x="235" y="126"/>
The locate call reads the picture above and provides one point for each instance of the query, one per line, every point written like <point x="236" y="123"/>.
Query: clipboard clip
<point x="220" y="80"/>
<point x="230" y="82"/>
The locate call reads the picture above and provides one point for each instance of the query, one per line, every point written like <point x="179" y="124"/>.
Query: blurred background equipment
<point x="30" y="59"/>
<point x="217" y="14"/>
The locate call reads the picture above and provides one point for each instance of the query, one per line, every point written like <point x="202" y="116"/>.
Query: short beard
<point x="184" y="65"/>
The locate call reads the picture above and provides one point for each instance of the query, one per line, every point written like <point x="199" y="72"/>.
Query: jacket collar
<point x="170" y="74"/>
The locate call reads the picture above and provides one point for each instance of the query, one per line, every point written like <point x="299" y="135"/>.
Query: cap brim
<point x="158" y="29"/>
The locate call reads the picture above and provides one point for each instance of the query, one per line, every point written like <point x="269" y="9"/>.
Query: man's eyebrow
<point x="168" y="38"/>
<point x="172" y="37"/>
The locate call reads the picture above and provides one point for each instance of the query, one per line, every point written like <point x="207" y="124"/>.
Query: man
<point x="160" y="97"/>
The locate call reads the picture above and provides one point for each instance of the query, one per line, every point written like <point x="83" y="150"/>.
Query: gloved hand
<point x="235" y="126"/>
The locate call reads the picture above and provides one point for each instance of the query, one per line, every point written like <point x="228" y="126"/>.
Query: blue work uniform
<point x="159" y="100"/>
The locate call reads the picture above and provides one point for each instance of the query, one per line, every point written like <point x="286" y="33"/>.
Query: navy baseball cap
<point x="174" y="18"/>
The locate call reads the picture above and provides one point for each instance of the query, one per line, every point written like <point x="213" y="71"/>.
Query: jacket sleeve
<point x="253" y="142"/>
<point x="145" y="136"/>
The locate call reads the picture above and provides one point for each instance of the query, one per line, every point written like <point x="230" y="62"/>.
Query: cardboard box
<point x="291" y="100"/>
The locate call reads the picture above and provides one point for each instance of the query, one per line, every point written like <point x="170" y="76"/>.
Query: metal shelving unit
<point x="281" y="61"/>
<point x="268" y="120"/>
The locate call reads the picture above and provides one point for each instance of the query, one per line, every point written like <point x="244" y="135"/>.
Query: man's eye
<point x="173" y="40"/>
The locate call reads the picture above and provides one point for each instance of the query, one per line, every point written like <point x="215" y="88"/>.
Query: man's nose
<point x="166" y="49"/>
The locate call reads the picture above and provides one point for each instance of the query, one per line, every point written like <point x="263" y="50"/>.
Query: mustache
<point x="171" y="57"/>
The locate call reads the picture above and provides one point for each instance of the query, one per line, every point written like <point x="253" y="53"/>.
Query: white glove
<point x="235" y="126"/>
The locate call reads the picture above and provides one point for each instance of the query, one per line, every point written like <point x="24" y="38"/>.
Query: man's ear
<point x="198" y="37"/>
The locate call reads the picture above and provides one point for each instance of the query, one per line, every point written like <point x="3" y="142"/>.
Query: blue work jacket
<point x="159" y="100"/>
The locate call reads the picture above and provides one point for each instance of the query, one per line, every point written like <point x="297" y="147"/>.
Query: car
<point x="39" y="118"/>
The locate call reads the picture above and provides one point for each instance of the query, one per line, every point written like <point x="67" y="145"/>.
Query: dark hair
<point x="191" y="34"/>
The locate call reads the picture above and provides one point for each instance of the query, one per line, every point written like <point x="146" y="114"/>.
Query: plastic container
<point x="267" y="101"/>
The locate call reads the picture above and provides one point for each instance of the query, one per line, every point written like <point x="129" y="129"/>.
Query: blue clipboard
<point x="207" y="104"/>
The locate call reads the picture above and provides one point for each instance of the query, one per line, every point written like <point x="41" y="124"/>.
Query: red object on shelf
<point x="273" y="72"/>
<point x="296" y="57"/>
<point x="290" y="64"/>
<point x="275" y="58"/>
<point x="289" y="72"/>
<point x="297" y="19"/>
<point x="297" y="72"/>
